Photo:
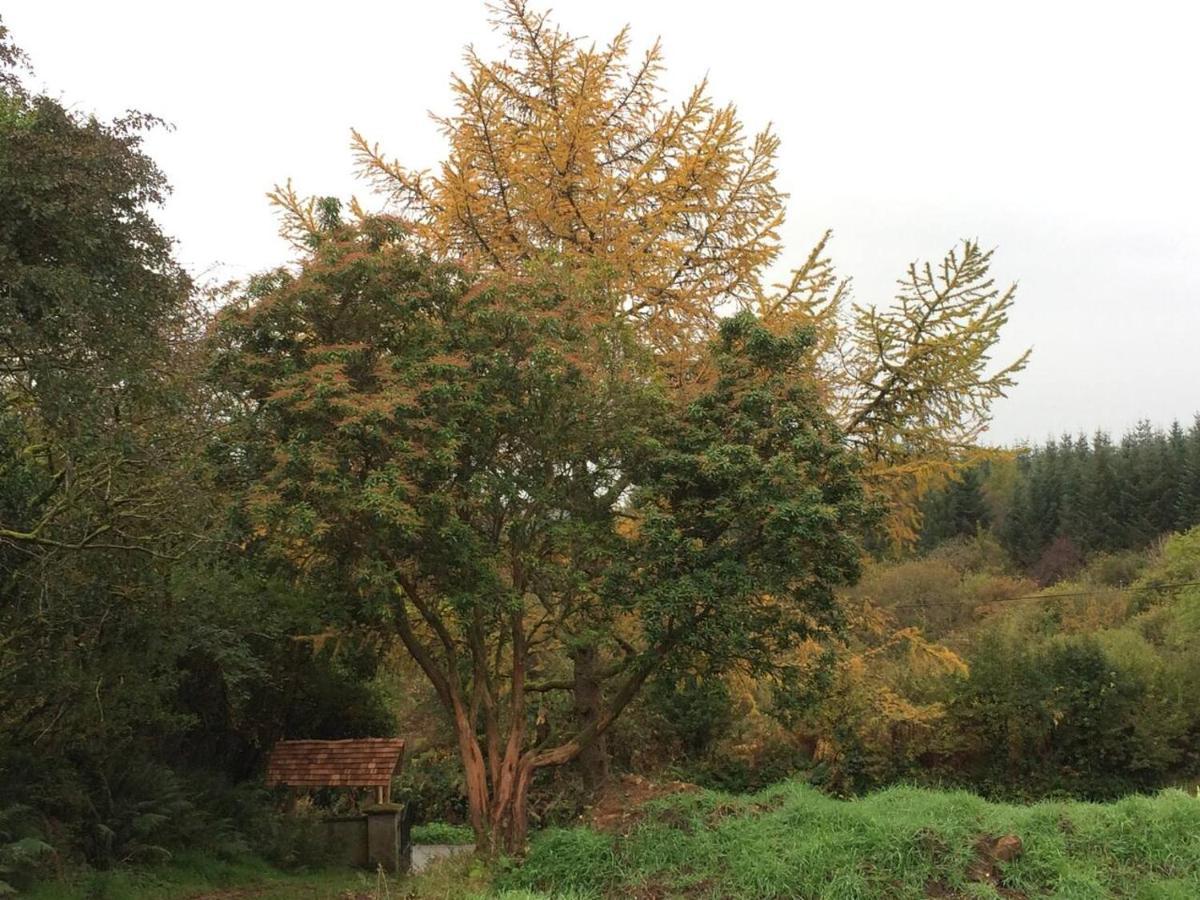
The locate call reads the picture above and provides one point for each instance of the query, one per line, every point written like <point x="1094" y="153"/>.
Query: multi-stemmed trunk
<point x="491" y="726"/>
<point x="588" y="695"/>
<point x="498" y="778"/>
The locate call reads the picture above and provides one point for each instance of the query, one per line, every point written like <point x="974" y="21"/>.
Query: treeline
<point x="1064" y="500"/>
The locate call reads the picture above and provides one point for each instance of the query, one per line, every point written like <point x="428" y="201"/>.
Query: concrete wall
<point x="379" y="837"/>
<point x="347" y="838"/>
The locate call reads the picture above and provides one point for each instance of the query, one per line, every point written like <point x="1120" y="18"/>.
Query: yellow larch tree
<point x="913" y="383"/>
<point x="567" y="147"/>
<point x="571" y="148"/>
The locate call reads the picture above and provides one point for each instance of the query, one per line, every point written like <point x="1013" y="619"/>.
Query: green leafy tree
<point x="98" y="436"/>
<point x="93" y="336"/>
<point x="488" y="471"/>
<point x="135" y="641"/>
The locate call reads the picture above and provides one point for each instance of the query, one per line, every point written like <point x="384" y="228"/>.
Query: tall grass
<point x="791" y="841"/>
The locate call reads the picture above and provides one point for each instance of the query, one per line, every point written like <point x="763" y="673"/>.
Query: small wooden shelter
<point x="356" y="763"/>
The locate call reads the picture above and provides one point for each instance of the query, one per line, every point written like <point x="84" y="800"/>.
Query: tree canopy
<point x="489" y="467"/>
<point x="570" y="146"/>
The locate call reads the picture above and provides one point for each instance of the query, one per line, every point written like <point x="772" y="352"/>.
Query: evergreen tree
<point x="1188" y="501"/>
<point x="959" y="510"/>
<point x="1174" y="499"/>
<point x="1097" y="495"/>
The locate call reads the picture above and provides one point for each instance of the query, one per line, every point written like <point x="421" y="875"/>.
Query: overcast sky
<point x="1066" y="135"/>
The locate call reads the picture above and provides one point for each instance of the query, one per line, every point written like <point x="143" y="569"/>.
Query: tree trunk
<point x="588" y="702"/>
<point x="475" y="780"/>
<point x="518" y="830"/>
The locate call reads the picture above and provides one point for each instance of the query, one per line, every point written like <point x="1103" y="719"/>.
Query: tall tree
<point x="99" y="431"/>
<point x="569" y="146"/>
<point x="575" y="148"/>
<point x="488" y="469"/>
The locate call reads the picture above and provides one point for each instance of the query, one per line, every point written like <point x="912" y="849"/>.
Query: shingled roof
<point x="365" y="762"/>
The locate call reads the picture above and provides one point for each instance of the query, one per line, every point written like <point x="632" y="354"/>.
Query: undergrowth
<point x="442" y="833"/>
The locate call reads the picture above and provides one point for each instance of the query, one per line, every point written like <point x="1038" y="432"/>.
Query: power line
<point x="1063" y="596"/>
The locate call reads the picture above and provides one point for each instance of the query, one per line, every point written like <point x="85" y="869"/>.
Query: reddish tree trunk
<point x="475" y="777"/>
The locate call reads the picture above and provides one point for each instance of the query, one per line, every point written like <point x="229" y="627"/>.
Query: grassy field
<point x="789" y="841"/>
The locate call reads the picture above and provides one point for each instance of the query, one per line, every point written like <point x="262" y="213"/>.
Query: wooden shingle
<point x="363" y="762"/>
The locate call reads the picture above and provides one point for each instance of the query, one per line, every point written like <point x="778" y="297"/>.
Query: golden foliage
<point x="571" y="148"/>
<point x="913" y="382"/>
<point x="915" y="375"/>
<point x="876" y="704"/>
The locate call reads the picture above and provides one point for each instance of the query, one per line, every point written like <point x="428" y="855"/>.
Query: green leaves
<point x="752" y="512"/>
<point x="502" y="453"/>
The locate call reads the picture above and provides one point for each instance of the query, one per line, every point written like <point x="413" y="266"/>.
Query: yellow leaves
<point x="568" y="148"/>
<point x="880" y="695"/>
<point x="922" y="365"/>
<point x="899" y="487"/>
<point x="299" y="215"/>
<point x="926" y="656"/>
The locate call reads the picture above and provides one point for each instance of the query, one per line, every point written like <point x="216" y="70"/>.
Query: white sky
<point x="1067" y="135"/>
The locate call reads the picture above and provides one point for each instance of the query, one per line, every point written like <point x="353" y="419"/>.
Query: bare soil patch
<point x="620" y="805"/>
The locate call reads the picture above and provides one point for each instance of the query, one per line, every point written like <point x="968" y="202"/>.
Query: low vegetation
<point x="794" y="841"/>
<point x="203" y="876"/>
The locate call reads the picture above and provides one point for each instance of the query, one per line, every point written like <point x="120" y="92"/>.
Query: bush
<point x="22" y="849"/>
<point x="442" y="833"/>
<point x="1054" y="716"/>
<point x="1115" y="569"/>
<point x="1061" y="559"/>
<point x="431" y="782"/>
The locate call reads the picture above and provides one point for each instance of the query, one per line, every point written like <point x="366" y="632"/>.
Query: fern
<point x="20" y="851"/>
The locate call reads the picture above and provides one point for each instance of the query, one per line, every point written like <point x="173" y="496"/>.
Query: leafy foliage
<point x="136" y="645"/>
<point x="569" y="147"/>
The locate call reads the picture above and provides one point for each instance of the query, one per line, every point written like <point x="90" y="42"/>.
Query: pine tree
<point x="1073" y="521"/>
<point x="1018" y="532"/>
<point x="1045" y="492"/>
<point x="1104" y="494"/>
<point x="1188" y="502"/>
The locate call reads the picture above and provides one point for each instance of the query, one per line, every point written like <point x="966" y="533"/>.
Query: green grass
<point x="199" y="876"/>
<point x="788" y="841"/>
<point x="791" y="841"/>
